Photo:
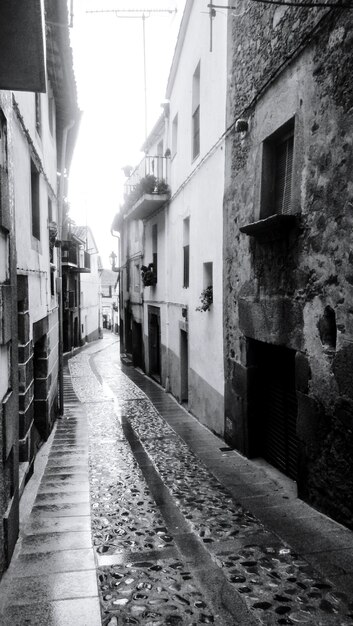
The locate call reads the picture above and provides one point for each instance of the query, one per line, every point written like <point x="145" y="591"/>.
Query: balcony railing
<point x="76" y="259"/>
<point x="85" y="262"/>
<point x="146" y="189"/>
<point x="69" y="253"/>
<point x="149" y="166"/>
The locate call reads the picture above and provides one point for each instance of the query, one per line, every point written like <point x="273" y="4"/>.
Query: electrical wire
<point x="311" y="5"/>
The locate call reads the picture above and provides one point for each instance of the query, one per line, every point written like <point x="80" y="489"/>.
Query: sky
<point x="108" y="63"/>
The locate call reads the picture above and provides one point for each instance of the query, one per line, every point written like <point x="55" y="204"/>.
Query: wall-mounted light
<point x="112" y="259"/>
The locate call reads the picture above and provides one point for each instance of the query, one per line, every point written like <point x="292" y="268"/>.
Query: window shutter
<point x="283" y="175"/>
<point x="186" y="266"/>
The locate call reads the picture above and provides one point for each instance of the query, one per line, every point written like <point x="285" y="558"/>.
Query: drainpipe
<point x="66" y="131"/>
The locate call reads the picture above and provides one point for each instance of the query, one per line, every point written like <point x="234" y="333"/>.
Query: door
<point x="137" y="345"/>
<point x="128" y="330"/>
<point x="154" y="342"/>
<point x="276" y="407"/>
<point x="184" y="367"/>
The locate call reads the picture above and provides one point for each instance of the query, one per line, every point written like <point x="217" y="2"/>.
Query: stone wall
<point x="294" y="289"/>
<point x="9" y="493"/>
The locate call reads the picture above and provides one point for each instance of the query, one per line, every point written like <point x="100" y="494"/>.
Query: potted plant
<point x="149" y="278"/>
<point x="206" y="298"/>
<point x="148" y="183"/>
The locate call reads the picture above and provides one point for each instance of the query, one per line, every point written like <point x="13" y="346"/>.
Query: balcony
<point x="69" y="254"/>
<point x="75" y="258"/>
<point x="146" y="189"/>
<point x="85" y="262"/>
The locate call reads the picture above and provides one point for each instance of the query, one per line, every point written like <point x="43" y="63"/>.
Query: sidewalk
<point x="143" y="516"/>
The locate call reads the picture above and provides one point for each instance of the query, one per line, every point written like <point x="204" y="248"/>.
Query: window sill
<point x="270" y="228"/>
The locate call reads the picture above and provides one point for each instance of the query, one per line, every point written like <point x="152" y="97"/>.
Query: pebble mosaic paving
<point x="277" y="586"/>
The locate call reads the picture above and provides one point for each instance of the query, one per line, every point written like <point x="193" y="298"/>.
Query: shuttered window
<point x="196" y="133"/>
<point x="35" y="201"/>
<point x="186" y="266"/>
<point x="283" y="175"/>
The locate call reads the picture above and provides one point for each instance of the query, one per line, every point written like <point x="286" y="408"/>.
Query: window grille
<point x="283" y="175"/>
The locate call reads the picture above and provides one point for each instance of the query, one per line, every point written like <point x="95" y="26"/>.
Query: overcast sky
<point x="108" y="58"/>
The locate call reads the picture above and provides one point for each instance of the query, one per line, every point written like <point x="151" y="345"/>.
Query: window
<point x="35" y="201"/>
<point x="196" y="113"/>
<point x="107" y="291"/>
<point x="155" y="249"/>
<point x="4" y="256"/>
<point x="137" y="277"/>
<point x="207" y="275"/>
<point x="186" y="252"/>
<point x="38" y="113"/>
<point x="175" y="136"/>
<point x="50" y="210"/>
<point x="52" y="282"/>
<point x="277" y="170"/>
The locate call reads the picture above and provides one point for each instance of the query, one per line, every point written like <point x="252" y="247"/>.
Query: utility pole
<point x="142" y="14"/>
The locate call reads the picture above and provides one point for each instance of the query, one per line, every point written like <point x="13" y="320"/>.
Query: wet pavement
<point x="142" y="516"/>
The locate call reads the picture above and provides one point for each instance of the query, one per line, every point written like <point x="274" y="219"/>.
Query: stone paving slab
<point x="57" y="524"/>
<point x="50" y="562"/>
<point x="58" y="586"/>
<point x="56" y="613"/>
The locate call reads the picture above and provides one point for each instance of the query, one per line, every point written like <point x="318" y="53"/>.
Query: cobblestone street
<point x="183" y="530"/>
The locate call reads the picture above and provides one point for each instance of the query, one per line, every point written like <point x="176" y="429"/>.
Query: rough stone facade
<point x="289" y="283"/>
<point x="9" y="493"/>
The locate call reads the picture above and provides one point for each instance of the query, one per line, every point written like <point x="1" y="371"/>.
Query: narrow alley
<point x="141" y="516"/>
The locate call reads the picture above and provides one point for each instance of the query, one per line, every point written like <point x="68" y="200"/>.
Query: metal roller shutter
<point x="278" y="409"/>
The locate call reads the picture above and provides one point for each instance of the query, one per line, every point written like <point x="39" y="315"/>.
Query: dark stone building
<point x="288" y="220"/>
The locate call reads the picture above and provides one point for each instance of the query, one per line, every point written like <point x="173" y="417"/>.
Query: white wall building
<point x="109" y="299"/>
<point x="182" y="236"/>
<point x="90" y="288"/>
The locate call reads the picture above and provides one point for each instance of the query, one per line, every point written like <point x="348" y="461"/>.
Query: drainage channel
<point x="226" y="602"/>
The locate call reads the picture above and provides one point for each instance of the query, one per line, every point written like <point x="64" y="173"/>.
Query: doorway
<point x="184" y="367"/>
<point x="154" y="342"/>
<point x="272" y="425"/>
<point x="128" y="330"/>
<point x="137" y="345"/>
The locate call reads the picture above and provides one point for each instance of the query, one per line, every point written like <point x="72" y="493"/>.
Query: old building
<point x="288" y="299"/>
<point x="90" y="289"/>
<point x="81" y="303"/>
<point x="109" y="291"/>
<point x="171" y="229"/>
<point x="38" y="129"/>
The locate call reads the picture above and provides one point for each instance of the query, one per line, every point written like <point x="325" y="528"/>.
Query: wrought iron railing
<point x="150" y="166"/>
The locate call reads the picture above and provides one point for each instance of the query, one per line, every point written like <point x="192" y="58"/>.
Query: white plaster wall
<point x="32" y="254"/>
<point x="213" y="75"/>
<point x="201" y="198"/>
<point x="90" y="298"/>
<point x="45" y="143"/>
<point x="197" y="188"/>
<point x="202" y="202"/>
